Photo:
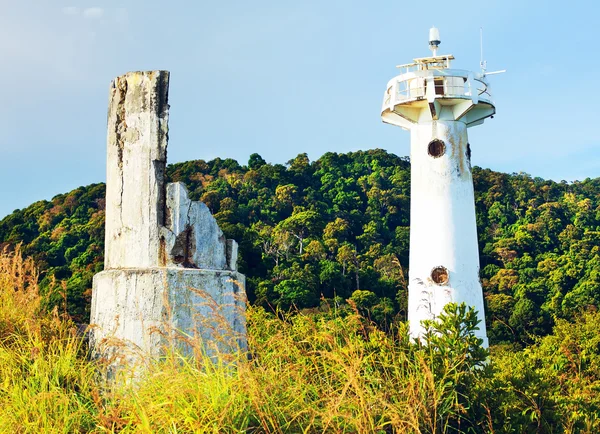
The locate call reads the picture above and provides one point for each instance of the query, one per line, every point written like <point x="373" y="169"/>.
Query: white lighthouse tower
<point x="437" y="104"/>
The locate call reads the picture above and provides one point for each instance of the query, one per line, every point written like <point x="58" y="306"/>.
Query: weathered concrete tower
<point x="437" y="104"/>
<point x="170" y="275"/>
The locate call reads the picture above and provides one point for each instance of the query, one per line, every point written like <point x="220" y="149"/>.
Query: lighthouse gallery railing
<point x="446" y="86"/>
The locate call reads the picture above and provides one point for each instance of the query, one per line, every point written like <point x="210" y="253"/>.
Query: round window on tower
<point x="440" y="275"/>
<point x="436" y="148"/>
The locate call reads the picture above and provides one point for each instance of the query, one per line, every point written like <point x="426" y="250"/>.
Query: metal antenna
<point x="482" y="63"/>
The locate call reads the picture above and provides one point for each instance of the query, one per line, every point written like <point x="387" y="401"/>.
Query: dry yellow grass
<point x="304" y="374"/>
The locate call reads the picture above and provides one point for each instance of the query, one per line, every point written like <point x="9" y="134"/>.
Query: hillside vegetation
<point x="337" y="229"/>
<point x="330" y="372"/>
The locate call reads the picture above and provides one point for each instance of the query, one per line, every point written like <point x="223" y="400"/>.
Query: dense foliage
<point x="327" y="372"/>
<point x="338" y="228"/>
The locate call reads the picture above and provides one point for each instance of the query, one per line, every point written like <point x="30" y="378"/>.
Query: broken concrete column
<point x="138" y="116"/>
<point x="170" y="274"/>
<point x="191" y="236"/>
<point x="232" y="255"/>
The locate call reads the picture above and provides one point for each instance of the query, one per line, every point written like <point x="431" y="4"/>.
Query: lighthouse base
<point x="427" y="302"/>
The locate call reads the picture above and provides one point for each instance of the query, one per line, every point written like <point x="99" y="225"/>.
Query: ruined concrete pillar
<point x="138" y="115"/>
<point x="170" y="275"/>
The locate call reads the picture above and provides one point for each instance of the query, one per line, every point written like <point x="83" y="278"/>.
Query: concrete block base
<point x="139" y="312"/>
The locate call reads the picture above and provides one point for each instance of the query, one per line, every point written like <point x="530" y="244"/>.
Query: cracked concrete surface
<point x="193" y="237"/>
<point x="136" y="161"/>
<point x="169" y="271"/>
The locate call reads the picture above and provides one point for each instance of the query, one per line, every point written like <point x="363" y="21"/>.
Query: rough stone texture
<point x="138" y="116"/>
<point x="170" y="276"/>
<point x="192" y="237"/>
<point x="137" y="311"/>
<point x="232" y="255"/>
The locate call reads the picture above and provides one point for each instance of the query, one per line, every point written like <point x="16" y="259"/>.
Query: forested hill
<point x="310" y="231"/>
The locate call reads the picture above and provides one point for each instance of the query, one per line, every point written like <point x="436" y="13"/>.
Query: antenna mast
<point x="482" y="63"/>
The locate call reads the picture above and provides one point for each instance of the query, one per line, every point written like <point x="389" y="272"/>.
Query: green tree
<point x="255" y="161"/>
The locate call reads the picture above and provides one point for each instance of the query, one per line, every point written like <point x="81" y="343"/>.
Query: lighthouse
<point x="437" y="104"/>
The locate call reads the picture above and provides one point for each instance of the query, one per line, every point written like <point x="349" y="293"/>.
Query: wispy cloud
<point x="93" y="13"/>
<point x="89" y="13"/>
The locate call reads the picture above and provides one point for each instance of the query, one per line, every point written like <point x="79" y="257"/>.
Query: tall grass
<point x="45" y="380"/>
<point x="303" y="374"/>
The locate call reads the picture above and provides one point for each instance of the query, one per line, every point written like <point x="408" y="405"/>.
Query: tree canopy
<point x="337" y="229"/>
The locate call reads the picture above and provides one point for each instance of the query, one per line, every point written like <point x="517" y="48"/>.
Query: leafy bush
<point x="552" y="386"/>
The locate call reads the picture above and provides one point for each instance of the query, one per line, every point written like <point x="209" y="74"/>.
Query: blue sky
<point x="285" y="77"/>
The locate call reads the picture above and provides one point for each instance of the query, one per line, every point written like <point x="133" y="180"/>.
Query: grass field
<point x="326" y="372"/>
